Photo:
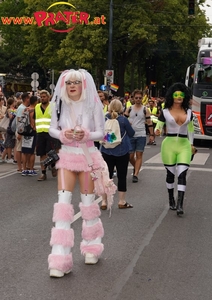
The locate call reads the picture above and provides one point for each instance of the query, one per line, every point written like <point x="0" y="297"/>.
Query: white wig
<point x="89" y="93"/>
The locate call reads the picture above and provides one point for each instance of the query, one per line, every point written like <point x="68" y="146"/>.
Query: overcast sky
<point x="209" y="10"/>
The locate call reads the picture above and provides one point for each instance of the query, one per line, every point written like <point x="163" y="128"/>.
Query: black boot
<point x="172" y="204"/>
<point x="180" y="203"/>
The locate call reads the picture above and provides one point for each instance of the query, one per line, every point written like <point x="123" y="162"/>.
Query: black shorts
<point x="45" y="143"/>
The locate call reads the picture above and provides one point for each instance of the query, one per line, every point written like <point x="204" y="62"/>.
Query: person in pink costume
<point x="78" y="121"/>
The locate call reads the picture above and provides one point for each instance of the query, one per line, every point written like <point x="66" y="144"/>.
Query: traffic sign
<point x="34" y="85"/>
<point x="110" y="76"/>
<point x="35" y="76"/>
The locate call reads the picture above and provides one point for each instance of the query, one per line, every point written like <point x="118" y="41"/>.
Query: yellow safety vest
<point x="105" y="109"/>
<point x="153" y="113"/>
<point x="42" y="120"/>
<point x="154" y="110"/>
<point x="128" y="104"/>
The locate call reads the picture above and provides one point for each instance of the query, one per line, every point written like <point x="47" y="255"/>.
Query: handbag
<point x="4" y="124"/>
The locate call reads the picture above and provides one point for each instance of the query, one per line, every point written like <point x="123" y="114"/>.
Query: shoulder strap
<point x="144" y="110"/>
<point x="130" y="108"/>
<point x="120" y="129"/>
<point x="58" y="107"/>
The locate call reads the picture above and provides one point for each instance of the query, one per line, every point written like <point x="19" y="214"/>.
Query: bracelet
<point x="151" y="135"/>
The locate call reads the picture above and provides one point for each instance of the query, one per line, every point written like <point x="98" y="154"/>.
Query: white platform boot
<point x="62" y="236"/>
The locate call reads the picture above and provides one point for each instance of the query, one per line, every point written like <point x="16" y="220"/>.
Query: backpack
<point x="23" y="124"/>
<point x="144" y="110"/>
<point x="11" y="129"/>
<point x="13" y="124"/>
<point x="112" y="136"/>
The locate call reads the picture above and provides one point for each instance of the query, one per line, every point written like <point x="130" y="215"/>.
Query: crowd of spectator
<point x="14" y="148"/>
<point x="22" y="150"/>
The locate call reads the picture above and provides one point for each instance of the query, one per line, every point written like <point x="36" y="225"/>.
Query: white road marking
<point x="7" y="174"/>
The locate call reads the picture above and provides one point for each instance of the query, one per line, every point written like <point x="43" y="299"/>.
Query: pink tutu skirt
<point x="74" y="159"/>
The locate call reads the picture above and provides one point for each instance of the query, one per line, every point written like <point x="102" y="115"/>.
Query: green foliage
<point x="152" y="40"/>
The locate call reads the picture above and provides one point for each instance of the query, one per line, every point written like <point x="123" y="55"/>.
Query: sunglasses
<point x="138" y="98"/>
<point x="73" y="82"/>
<point x="178" y="95"/>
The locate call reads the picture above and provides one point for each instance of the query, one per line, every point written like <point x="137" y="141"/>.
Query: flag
<point x="114" y="87"/>
<point x="153" y="82"/>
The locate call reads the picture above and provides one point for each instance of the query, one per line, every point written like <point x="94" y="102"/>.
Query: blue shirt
<point x="126" y="132"/>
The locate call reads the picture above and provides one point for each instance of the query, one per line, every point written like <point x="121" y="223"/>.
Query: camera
<point x="52" y="158"/>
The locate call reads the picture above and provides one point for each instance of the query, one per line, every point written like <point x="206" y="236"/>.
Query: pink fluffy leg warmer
<point x="62" y="236"/>
<point x="95" y="249"/>
<point x="92" y="228"/>
<point x="63" y="212"/>
<point x="90" y="212"/>
<point x="90" y="233"/>
<point x="63" y="263"/>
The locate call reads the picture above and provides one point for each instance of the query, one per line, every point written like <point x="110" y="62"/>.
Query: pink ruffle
<point x="105" y="185"/>
<point x="78" y="162"/>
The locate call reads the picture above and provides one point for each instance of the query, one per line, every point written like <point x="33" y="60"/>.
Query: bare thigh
<point x="67" y="181"/>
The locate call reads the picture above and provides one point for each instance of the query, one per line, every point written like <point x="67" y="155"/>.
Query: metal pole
<point x="52" y="86"/>
<point x="110" y="44"/>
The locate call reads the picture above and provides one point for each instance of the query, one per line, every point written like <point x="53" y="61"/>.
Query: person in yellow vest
<point x="129" y="102"/>
<point x="45" y="142"/>
<point x="145" y="98"/>
<point x="154" y="114"/>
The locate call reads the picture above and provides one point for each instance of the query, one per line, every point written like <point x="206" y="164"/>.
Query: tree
<point x="153" y="40"/>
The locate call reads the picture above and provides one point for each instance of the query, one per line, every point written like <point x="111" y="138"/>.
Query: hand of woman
<point x="193" y="150"/>
<point x="79" y="135"/>
<point x="69" y="134"/>
<point x="75" y="135"/>
<point x="157" y="132"/>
